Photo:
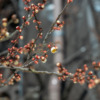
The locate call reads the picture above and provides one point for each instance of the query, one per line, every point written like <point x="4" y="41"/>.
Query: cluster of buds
<point x="14" y="54"/>
<point x="59" y="25"/>
<point x="4" y="22"/>
<point x="11" y="60"/>
<point x="26" y="2"/>
<point x="52" y="48"/>
<point x="29" y="46"/>
<point x="3" y="29"/>
<point x="2" y="80"/>
<point x="13" y="57"/>
<point x="4" y="33"/>
<point x="64" y="72"/>
<point x="1" y="76"/>
<point x="14" y="41"/>
<point x="81" y="76"/>
<point x="13" y="50"/>
<point x="36" y="59"/>
<point x="19" y="29"/>
<point x="36" y="21"/>
<point x="69" y="1"/>
<point x="15" y="19"/>
<point x="37" y="27"/>
<point x="96" y="65"/>
<point x="93" y="83"/>
<point x="41" y="6"/>
<point x="33" y="7"/>
<point x="26" y="22"/>
<point x="43" y="58"/>
<point x="37" y="8"/>
<point x="21" y="37"/>
<point x="16" y="78"/>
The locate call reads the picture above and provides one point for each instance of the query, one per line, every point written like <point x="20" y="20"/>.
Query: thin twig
<point x="51" y="28"/>
<point x="15" y="32"/>
<point x="27" y="70"/>
<point x="31" y="70"/>
<point x="4" y="52"/>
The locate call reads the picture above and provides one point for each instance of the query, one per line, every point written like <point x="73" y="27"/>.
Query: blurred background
<point x="78" y="42"/>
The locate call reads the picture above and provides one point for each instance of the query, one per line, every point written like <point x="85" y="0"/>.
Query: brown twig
<point x="15" y="32"/>
<point x="33" y="71"/>
<point x="27" y="70"/>
<point x="4" y="52"/>
<point x="51" y="28"/>
<point x="40" y="31"/>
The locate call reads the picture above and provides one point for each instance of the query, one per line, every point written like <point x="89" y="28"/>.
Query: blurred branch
<point x="14" y="2"/>
<point x="4" y="52"/>
<point x="81" y="51"/>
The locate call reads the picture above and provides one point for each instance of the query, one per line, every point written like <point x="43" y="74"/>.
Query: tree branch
<point x="31" y="70"/>
<point x="15" y="32"/>
<point x="51" y="28"/>
<point x="4" y="52"/>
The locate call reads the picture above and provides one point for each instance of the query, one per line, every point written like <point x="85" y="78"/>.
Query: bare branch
<point x="31" y="70"/>
<point x="51" y="28"/>
<point x="4" y="52"/>
<point x="15" y="32"/>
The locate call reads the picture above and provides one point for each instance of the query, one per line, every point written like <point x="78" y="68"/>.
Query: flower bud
<point x="54" y="49"/>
